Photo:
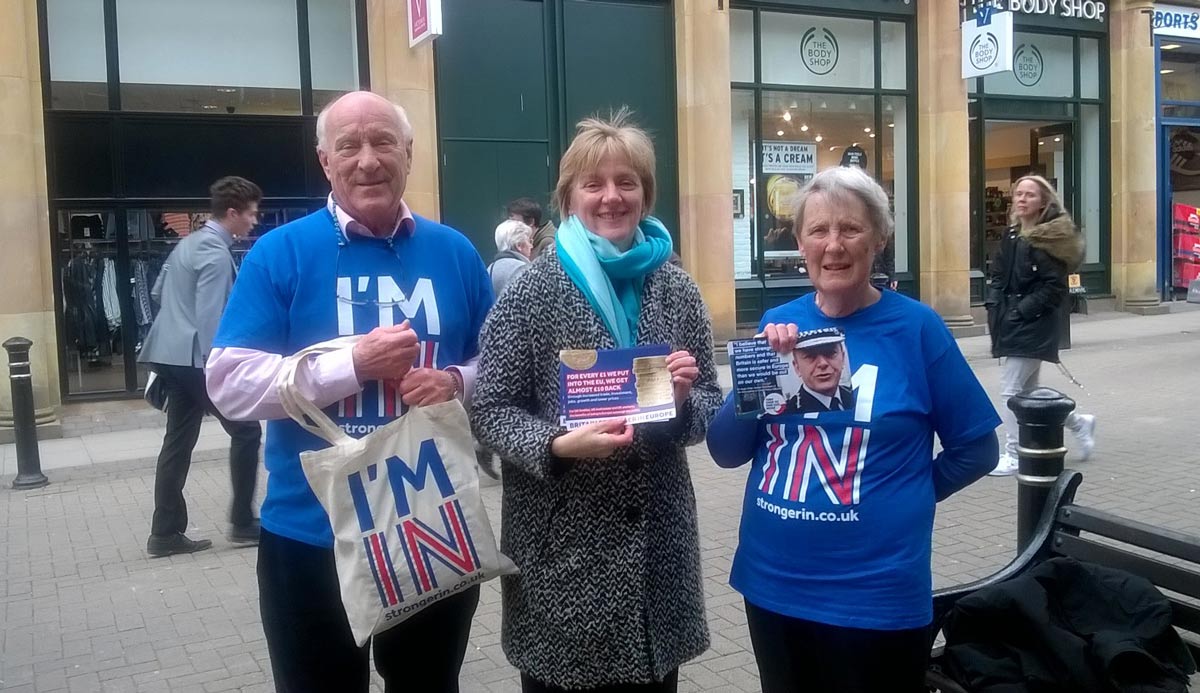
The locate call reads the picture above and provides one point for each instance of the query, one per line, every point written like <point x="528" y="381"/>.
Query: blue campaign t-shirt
<point x="837" y="520"/>
<point x="298" y="286"/>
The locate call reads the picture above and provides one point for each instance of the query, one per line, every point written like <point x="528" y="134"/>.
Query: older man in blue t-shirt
<point x="418" y="293"/>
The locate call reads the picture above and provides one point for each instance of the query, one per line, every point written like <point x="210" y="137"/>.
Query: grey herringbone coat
<point x="609" y="589"/>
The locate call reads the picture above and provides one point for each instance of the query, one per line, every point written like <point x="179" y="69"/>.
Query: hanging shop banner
<point x="789" y="157"/>
<point x="424" y="21"/>
<point x="1172" y="20"/>
<point x="987" y="43"/>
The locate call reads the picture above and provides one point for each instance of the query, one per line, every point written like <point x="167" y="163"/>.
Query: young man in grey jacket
<point x="192" y="290"/>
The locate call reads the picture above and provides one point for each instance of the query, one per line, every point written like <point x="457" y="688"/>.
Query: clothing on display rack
<point x="108" y="289"/>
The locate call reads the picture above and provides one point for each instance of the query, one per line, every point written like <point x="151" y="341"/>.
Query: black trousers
<point x="309" y="640"/>
<point x="187" y="402"/>
<point x="798" y="656"/>
<point x="667" y="685"/>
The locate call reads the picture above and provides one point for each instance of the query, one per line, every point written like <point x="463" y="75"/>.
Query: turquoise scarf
<point x="610" y="279"/>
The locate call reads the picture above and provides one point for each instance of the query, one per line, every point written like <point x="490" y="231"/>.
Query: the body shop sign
<point x="1067" y="9"/>
<point x="987" y="44"/>
<point x="424" y="20"/>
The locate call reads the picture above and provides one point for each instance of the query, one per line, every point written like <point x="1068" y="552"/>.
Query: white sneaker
<point x="1086" y="433"/>
<point x="1007" y="466"/>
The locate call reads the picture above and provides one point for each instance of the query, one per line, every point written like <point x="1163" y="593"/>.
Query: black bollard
<point x="1041" y="413"/>
<point x="29" y="463"/>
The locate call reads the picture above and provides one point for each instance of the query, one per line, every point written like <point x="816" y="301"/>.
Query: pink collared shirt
<point x="242" y="383"/>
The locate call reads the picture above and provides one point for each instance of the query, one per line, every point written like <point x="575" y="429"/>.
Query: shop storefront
<point x="1177" y="47"/>
<point x="146" y="103"/>
<point x="1048" y="116"/>
<point x="815" y="85"/>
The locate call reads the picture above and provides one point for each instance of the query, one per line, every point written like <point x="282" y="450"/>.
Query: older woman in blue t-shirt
<point x="837" y="522"/>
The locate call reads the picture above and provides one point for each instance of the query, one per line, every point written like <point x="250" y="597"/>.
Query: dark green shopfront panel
<point x="491" y="70"/>
<point x="623" y="54"/>
<point x="479" y="178"/>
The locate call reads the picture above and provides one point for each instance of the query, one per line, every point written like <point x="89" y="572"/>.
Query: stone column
<point x="944" y="166"/>
<point x="26" y="278"/>
<point x="706" y="155"/>
<point x="405" y="75"/>
<point x="1134" y="159"/>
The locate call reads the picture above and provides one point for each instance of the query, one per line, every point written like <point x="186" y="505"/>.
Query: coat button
<point x="633" y="514"/>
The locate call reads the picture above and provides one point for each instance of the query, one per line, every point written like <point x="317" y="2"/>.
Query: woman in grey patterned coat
<point x="601" y="520"/>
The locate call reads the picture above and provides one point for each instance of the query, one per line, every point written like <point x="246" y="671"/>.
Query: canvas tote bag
<point x="408" y="523"/>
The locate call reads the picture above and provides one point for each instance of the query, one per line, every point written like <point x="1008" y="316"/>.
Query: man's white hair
<point x="511" y="233"/>
<point x="406" y="128"/>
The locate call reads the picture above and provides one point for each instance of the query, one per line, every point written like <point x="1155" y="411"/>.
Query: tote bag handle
<point x="306" y="414"/>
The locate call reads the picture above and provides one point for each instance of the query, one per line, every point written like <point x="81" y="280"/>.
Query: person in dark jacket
<point x="529" y="211"/>
<point x="1027" y="287"/>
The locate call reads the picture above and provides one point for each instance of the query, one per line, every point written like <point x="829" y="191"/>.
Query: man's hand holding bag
<point x="408" y="522"/>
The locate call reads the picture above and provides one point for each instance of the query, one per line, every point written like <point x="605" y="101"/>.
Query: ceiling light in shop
<point x="853" y="106"/>
<point x="226" y="90"/>
<point x="866" y="129"/>
<point x="872" y="135"/>
<point x="209" y="107"/>
<point x="888" y="107"/>
<point x="1165" y="72"/>
<point x="1170" y="46"/>
<point x="780" y="133"/>
<point x="804" y="128"/>
<point x="832" y="147"/>
<point x="1058" y="139"/>
<point x="891" y="125"/>
<point x="1041" y="143"/>
<point x="824" y="105"/>
<point x="787" y="116"/>
<point x="818" y="138"/>
<point x="795" y="105"/>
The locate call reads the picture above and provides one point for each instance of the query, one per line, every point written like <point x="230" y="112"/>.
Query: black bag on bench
<point x="1066" y="626"/>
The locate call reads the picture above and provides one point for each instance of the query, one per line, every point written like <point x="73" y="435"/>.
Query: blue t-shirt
<point x="297" y="287"/>
<point x="837" y="521"/>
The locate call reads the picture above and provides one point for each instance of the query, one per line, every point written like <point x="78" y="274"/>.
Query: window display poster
<point x="789" y="157"/>
<point x="599" y="385"/>
<point x="812" y="380"/>
<point x="1185" y="242"/>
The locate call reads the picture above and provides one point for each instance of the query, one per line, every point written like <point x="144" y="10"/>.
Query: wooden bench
<point x="1066" y="529"/>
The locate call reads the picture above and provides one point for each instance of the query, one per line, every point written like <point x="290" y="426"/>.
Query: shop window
<point x="1179" y="73"/>
<point x="1089" y="68"/>
<point x="333" y="48"/>
<point x="817" y="51"/>
<point x="1043" y="65"/>
<point x="803" y="134"/>
<point x="1091" y="163"/>
<point x="78" y="67"/>
<point x="220" y="56"/>
<point x="893" y="59"/>
<point x="744" y="156"/>
<point x="741" y="46"/>
<point x="893" y="171"/>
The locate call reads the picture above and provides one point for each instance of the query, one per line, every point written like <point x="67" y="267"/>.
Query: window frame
<point x="757" y="293"/>
<point x="113" y="61"/>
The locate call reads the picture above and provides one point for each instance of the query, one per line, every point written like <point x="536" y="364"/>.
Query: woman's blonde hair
<point x="1054" y="205"/>
<point x="597" y="139"/>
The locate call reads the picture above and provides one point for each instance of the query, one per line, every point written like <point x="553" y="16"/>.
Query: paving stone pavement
<point x="84" y="609"/>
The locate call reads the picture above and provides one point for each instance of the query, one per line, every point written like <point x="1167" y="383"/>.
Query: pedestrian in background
<point x="1027" y="289"/>
<point x="833" y="557"/>
<point x="192" y="290"/>
<point x="514" y="246"/>
<point x="529" y="211"/>
<point x="600" y="520"/>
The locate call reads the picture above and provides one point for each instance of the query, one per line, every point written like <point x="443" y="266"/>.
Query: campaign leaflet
<point x="756" y="370"/>
<point x="631" y="384"/>
<point x="813" y="381"/>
